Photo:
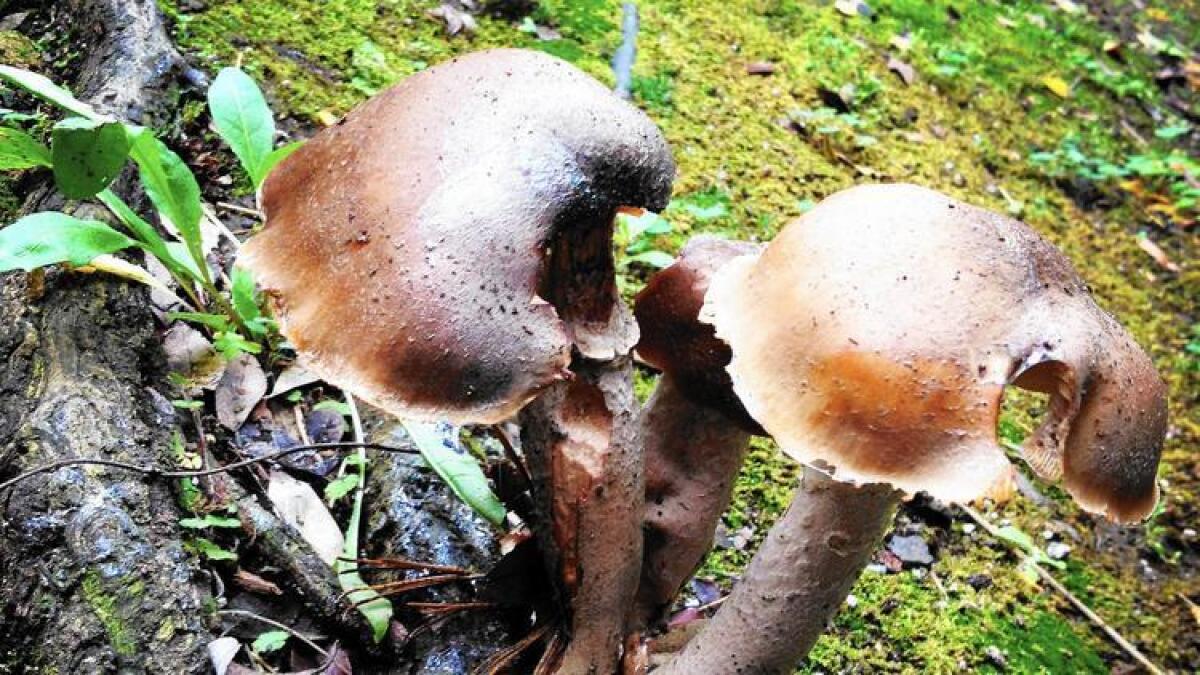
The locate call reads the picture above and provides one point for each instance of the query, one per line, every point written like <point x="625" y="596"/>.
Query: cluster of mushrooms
<point x="445" y="253"/>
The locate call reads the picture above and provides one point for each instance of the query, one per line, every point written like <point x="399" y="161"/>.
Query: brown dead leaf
<point x="907" y="73"/>
<point x="241" y="387"/>
<point x="1154" y="251"/>
<point x="249" y="581"/>
<point x="761" y="68"/>
<point x="191" y="355"/>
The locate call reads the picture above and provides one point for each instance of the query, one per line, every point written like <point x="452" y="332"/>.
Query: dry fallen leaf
<point x="249" y="581"/>
<point x="292" y="377"/>
<point x="1057" y="86"/>
<point x="299" y="506"/>
<point x="241" y="387"/>
<point x="221" y="653"/>
<point x="191" y="355"/>
<point x="906" y="72"/>
<point x="760" y="68"/>
<point x="456" y="20"/>
<point x="1154" y="251"/>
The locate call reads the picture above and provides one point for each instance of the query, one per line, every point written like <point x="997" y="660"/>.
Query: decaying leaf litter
<point x="843" y="145"/>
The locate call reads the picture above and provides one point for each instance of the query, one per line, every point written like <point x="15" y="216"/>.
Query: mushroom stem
<point x="584" y="451"/>
<point x="693" y="454"/>
<point x="795" y="583"/>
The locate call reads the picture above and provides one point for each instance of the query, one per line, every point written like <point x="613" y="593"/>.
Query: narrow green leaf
<point x="87" y="155"/>
<point x="171" y="187"/>
<point x="278" y="155"/>
<point x="374" y="607"/>
<point x="440" y="447"/>
<point x="242" y="117"/>
<point x="337" y="406"/>
<point x="232" y="345"/>
<point x="270" y="641"/>
<point x="210" y="550"/>
<point x="210" y="521"/>
<point x="19" y="150"/>
<point x="216" y="322"/>
<point x="50" y="237"/>
<point x="40" y="86"/>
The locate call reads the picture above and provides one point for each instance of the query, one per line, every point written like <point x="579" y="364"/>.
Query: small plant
<point x="88" y="150"/>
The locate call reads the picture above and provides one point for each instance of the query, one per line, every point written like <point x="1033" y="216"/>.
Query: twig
<point x="1079" y="604"/>
<point x="301" y="427"/>
<point x="155" y="472"/>
<point x="626" y="54"/>
<point x="510" y="452"/>
<point x="271" y="622"/>
<point x="224" y="229"/>
<point x="712" y="605"/>
<point x="253" y="213"/>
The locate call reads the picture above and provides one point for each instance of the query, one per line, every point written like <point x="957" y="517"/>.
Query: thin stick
<point x="253" y="213"/>
<point x="510" y="452"/>
<point x="271" y="622"/>
<point x="220" y="225"/>
<point x="1079" y="605"/>
<point x="155" y="472"/>
<point x="377" y="564"/>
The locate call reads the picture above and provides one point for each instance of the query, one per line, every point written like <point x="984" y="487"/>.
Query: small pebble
<point x="996" y="657"/>
<point x="1057" y="550"/>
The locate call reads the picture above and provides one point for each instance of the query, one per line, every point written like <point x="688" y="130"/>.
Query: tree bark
<point x="93" y="577"/>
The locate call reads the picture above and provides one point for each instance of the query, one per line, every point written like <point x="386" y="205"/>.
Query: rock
<point x="1057" y="550"/>
<point x="910" y="549"/>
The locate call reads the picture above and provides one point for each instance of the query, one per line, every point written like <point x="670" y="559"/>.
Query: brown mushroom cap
<point x="406" y="247"/>
<point x="876" y="334"/>
<point x="675" y="341"/>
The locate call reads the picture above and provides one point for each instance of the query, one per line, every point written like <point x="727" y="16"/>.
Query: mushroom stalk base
<point x="584" y="451"/>
<point x="795" y="583"/>
<point x="693" y="454"/>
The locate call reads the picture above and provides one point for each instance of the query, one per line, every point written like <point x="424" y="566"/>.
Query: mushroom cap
<point x="876" y="334"/>
<point x="675" y="341"/>
<point x="406" y="247"/>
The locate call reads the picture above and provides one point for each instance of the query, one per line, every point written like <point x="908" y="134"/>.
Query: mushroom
<point x="872" y="339"/>
<point x="695" y="430"/>
<point x="444" y="252"/>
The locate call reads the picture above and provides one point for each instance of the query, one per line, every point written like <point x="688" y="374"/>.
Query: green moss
<point x="18" y="50"/>
<point x="108" y="608"/>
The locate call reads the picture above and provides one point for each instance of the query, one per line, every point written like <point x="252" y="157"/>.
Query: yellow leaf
<point x="1057" y="85"/>
<point x="1157" y="14"/>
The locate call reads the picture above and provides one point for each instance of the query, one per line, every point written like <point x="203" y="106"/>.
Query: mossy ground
<point x="972" y="124"/>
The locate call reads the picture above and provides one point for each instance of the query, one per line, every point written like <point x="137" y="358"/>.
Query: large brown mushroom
<point x="695" y="430"/>
<point x="873" y="338"/>
<point x="444" y="252"/>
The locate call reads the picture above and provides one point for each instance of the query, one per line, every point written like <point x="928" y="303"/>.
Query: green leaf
<point x="1171" y="132"/>
<point x="210" y="550"/>
<point x="374" y="607"/>
<point x="171" y="187"/>
<point x="216" y="322"/>
<point x="270" y="641"/>
<point x="337" y="406"/>
<point x="659" y="259"/>
<point x="43" y="88"/>
<point x="19" y="150"/>
<point x="87" y="155"/>
<point x="210" y="521"/>
<point x="704" y="213"/>
<point x="439" y="446"/>
<point x="232" y="345"/>
<point x="245" y="301"/>
<point x="50" y="237"/>
<point x="242" y="117"/>
<point x="341" y="487"/>
<point x="278" y="155"/>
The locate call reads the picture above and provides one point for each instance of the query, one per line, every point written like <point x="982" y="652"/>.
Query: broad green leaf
<point x="709" y="212"/>
<point x="87" y="155"/>
<point x="19" y="150"/>
<point x="43" y="88"/>
<point x="441" y="449"/>
<point x="245" y="302"/>
<point x="659" y="259"/>
<point x="181" y="254"/>
<point x="242" y="117"/>
<point x="278" y="155"/>
<point x="270" y="641"/>
<point x="232" y="345"/>
<point x="341" y="487"/>
<point x="1171" y="132"/>
<point x="50" y="237"/>
<point x="171" y="186"/>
